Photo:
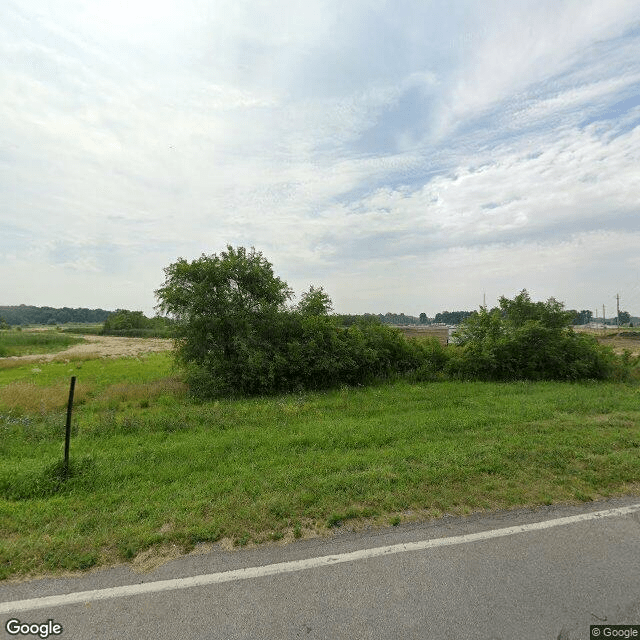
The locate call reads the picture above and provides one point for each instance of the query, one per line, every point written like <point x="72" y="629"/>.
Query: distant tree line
<point x="388" y="318"/>
<point x="26" y="314"/>
<point x="120" y="322"/>
<point x="348" y="319"/>
<point x="452" y="317"/>
<point x="135" y="324"/>
<point x="457" y="317"/>
<point x="400" y="319"/>
<point x="585" y="317"/>
<point x="397" y="319"/>
<point x="581" y="317"/>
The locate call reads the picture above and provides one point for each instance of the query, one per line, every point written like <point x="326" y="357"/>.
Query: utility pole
<point x="604" y="319"/>
<point x="617" y="309"/>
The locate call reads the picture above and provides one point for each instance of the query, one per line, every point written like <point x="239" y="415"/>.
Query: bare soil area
<point x="619" y="340"/>
<point x="620" y="344"/>
<point x="103" y="346"/>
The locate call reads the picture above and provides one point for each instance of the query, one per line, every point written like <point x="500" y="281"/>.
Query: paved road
<point x="524" y="574"/>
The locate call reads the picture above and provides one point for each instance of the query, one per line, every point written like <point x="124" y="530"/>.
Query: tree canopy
<point x="452" y="317"/>
<point x="223" y="304"/>
<point x="624" y="317"/>
<point x="27" y="314"/>
<point x="315" y="302"/>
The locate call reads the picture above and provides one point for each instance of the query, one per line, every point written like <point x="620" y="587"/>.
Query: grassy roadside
<point x="151" y="467"/>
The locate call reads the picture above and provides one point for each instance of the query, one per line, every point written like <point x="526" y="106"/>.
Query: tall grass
<point x="85" y="329"/>
<point x="18" y="343"/>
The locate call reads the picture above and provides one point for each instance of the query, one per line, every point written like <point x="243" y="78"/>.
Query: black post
<point x="67" y="436"/>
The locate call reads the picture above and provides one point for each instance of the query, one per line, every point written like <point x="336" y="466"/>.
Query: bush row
<point x="239" y="335"/>
<point x="292" y="352"/>
<point x="296" y="353"/>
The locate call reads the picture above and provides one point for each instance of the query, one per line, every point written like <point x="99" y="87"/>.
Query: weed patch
<point x="30" y="398"/>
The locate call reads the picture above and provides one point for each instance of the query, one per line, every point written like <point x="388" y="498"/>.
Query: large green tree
<point x="226" y="306"/>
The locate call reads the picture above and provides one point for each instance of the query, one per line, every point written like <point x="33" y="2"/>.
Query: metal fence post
<point x="67" y="436"/>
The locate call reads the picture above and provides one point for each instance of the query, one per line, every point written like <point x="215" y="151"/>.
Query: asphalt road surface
<point x="531" y="574"/>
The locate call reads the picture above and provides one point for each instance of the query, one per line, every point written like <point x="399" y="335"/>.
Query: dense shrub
<point x="94" y="330"/>
<point x="294" y="352"/>
<point x="522" y="339"/>
<point x="238" y="336"/>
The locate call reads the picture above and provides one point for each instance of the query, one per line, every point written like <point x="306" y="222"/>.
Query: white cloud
<point x="575" y="181"/>
<point x="527" y="43"/>
<point x="577" y="99"/>
<point x="350" y="142"/>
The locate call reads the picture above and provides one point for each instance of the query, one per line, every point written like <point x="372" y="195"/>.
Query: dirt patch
<point x="155" y="557"/>
<point x="102" y="346"/>
<point x="620" y="340"/>
<point x="620" y="344"/>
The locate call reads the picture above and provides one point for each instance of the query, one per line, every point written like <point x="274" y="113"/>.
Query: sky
<point x="406" y="155"/>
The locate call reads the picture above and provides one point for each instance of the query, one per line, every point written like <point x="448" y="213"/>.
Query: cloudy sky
<point x="407" y="155"/>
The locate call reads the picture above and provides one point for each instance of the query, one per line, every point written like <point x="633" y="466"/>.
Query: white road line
<point x="296" y="565"/>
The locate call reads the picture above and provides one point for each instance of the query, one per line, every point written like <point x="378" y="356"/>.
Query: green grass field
<point x="151" y="467"/>
<point x="20" y="343"/>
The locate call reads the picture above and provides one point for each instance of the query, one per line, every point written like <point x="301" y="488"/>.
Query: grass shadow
<point x="53" y="479"/>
